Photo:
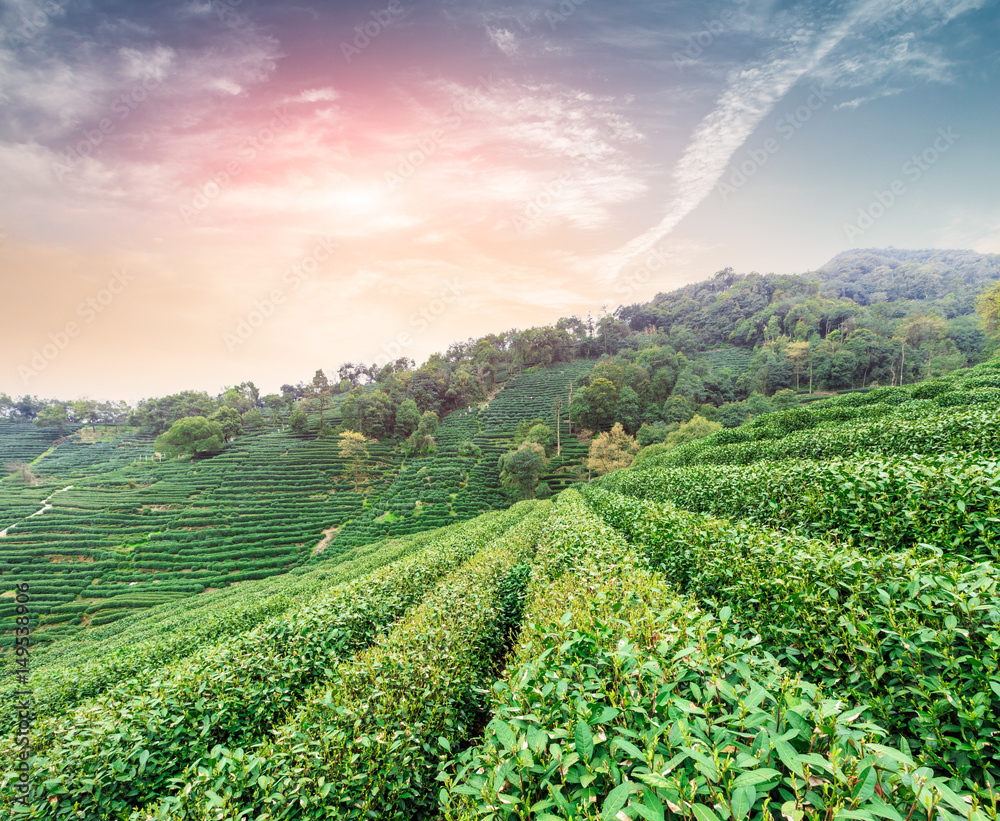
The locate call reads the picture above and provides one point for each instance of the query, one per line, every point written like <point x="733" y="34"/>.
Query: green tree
<point x="354" y="452"/>
<point x="88" y="411"/>
<point x="253" y="419"/>
<point x="600" y="403"/>
<point x="988" y="308"/>
<point x="422" y="440"/>
<point x="319" y="395"/>
<point x="612" y="451"/>
<point x="407" y="418"/>
<point x="652" y="434"/>
<point x="194" y="435"/>
<point x="231" y="421"/>
<point x="276" y="405"/>
<point x="678" y="408"/>
<point x="524" y="428"/>
<point x="798" y="354"/>
<point x="629" y="410"/>
<point x="298" y="421"/>
<point x="697" y="427"/>
<point x="785" y="399"/>
<point x="55" y="415"/>
<point x="521" y="469"/>
<point x="541" y="434"/>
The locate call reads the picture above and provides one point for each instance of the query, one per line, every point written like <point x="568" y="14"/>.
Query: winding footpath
<point x="46" y="505"/>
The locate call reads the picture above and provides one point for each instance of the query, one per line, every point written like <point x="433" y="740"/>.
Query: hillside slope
<point x="127" y="531"/>
<point x="663" y="642"/>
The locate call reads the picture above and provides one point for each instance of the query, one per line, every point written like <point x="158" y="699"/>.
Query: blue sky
<point x="288" y="186"/>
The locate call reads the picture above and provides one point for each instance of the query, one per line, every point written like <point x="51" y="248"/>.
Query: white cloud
<point x="503" y="39"/>
<point x="314" y="95"/>
<point x="752" y="92"/>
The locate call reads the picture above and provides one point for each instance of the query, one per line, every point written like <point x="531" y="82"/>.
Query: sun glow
<point x="356" y="198"/>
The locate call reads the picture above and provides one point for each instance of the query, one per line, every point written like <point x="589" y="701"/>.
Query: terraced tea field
<point x="126" y="531"/>
<point x="661" y="643"/>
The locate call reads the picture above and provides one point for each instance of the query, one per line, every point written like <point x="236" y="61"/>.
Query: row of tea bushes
<point x="914" y="635"/>
<point x="624" y="700"/>
<point x="924" y="431"/>
<point x="256" y="510"/>
<point x="124" y="749"/>
<point x="951" y="501"/>
<point x="908" y="419"/>
<point x="127" y="654"/>
<point x="628" y="703"/>
<point x="370" y="740"/>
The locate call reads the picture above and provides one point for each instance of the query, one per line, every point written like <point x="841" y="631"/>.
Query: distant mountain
<point x="869" y="275"/>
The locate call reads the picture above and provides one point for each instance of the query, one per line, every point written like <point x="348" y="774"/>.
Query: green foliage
<point x="194" y="436"/>
<point x="624" y="697"/>
<point x="652" y="434"/>
<point x="469" y="450"/>
<point x="373" y="735"/>
<point x="650" y="452"/>
<point x="230" y="420"/>
<point x="422" y="441"/>
<point x="298" y="421"/>
<point x="634" y="701"/>
<point x="521" y="469"/>
<point x="407" y="418"/>
<point x="880" y="504"/>
<point x="231" y="693"/>
<point x="988" y="308"/>
<point x="541" y="434"/>
<point x="908" y="634"/>
<point x="698" y="427"/>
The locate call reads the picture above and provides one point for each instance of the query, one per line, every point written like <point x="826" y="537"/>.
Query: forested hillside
<point x="867" y="318"/>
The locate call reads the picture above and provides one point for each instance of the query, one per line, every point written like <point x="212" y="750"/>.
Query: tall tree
<point x="797" y="353"/>
<point x="988" y="308"/>
<point x="354" y="452"/>
<point x="319" y="394"/>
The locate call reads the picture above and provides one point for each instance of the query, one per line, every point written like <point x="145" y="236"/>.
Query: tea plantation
<point x="123" y="531"/>
<point x="795" y="619"/>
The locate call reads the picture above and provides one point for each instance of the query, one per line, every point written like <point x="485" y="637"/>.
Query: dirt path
<point x="46" y="505"/>
<point x="328" y="535"/>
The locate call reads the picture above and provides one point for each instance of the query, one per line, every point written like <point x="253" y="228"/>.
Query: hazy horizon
<point x="199" y="195"/>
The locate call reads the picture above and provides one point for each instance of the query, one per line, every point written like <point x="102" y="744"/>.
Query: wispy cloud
<point x="314" y="95"/>
<point x="753" y="91"/>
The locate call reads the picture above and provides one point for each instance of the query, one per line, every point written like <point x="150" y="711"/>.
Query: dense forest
<point x="727" y="348"/>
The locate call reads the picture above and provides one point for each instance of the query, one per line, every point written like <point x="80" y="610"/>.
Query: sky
<point x="195" y="194"/>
